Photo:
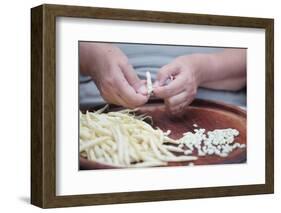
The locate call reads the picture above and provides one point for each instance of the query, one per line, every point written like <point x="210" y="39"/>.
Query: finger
<point x="180" y="108"/>
<point x="164" y="74"/>
<point x="128" y="94"/>
<point x="177" y="99"/>
<point x="176" y="110"/>
<point x="133" y="79"/>
<point x="174" y="87"/>
<point x="113" y="98"/>
<point x="131" y="76"/>
<point x="122" y="102"/>
<point x="108" y="97"/>
<point x="110" y="94"/>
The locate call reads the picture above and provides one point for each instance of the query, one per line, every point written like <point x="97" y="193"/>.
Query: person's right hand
<point x="181" y="91"/>
<point x="114" y="76"/>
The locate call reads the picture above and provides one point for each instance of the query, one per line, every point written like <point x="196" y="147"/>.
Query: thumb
<point x="165" y="73"/>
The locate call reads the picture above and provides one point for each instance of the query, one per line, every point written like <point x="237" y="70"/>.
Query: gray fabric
<point x="145" y="57"/>
<point x="152" y="57"/>
<point x="237" y="98"/>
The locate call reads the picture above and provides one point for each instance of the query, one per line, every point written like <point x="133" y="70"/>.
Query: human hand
<point x="181" y="91"/>
<point x="114" y="76"/>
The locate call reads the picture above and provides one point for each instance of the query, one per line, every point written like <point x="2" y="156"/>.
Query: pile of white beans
<point x="220" y="142"/>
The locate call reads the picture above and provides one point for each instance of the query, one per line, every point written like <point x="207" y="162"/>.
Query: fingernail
<point x="142" y="90"/>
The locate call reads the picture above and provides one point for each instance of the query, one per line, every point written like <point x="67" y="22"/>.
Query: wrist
<point x="203" y="66"/>
<point x="198" y="64"/>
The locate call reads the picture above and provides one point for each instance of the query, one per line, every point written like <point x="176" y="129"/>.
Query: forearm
<point x="85" y="50"/>
<point x="234" y="84"/>
<point x="225" y="70"/>
<point x="89" y="54"/>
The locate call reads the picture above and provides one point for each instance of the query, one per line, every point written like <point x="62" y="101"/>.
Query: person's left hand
<point x="181" y="91"/>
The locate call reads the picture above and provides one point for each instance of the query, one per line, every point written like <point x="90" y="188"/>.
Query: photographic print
<point x="151" y="105"/>
<point x="135" y="106"/>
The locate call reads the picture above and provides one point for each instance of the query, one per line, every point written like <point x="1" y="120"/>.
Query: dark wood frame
<point x="43" y="105"/>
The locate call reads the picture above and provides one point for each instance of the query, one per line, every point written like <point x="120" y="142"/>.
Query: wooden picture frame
<point x="43" y="105"/>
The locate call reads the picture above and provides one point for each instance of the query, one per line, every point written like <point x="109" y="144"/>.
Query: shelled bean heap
<point x="220" y="142"/>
